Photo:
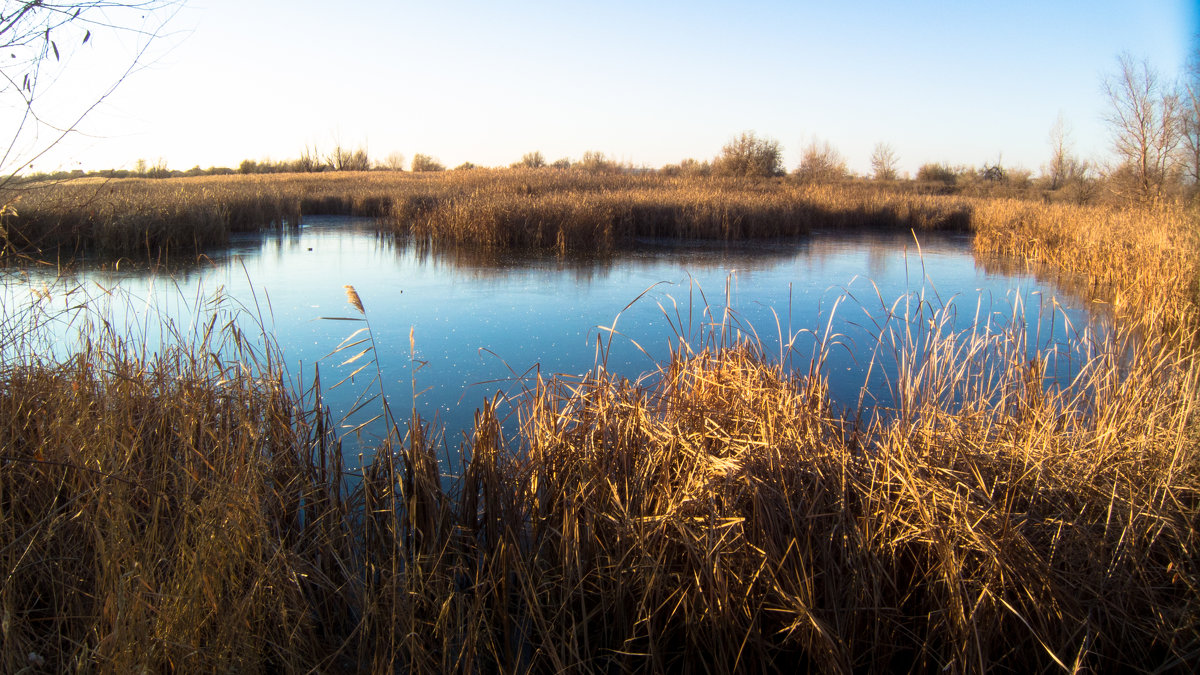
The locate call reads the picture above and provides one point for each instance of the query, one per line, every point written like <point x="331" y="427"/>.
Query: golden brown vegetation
<point x="183" y="511"/>
<point x="568" y="210"/>
<point x="175" y="512"/>
<point x="1145" y="262"/>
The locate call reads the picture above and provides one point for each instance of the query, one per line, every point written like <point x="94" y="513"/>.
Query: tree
<point x="749" y="155"/>
<point x="530" y="160"/>
<point x="820" y="163"/>
<point x="1061" y="160"/>
<point x="1145" y="123"/>
<point x="1065" y="171"/>
<point x="393" y="162"/>
<point x="37" y="39"/>
<point x="345" y="159"/>
<point x="1190" y="127"/>
<point x="422" y="162"/>
<point x="309" y="161"/>
<point x="884" y="162"/>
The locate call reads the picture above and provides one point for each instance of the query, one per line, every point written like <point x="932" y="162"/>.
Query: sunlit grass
<point x="185" y="507"/>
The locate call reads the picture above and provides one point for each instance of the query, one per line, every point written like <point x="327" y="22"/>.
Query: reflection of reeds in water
<point x="183" y="510"/>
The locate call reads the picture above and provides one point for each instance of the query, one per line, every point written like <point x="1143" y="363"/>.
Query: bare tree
<point x="820" y="163"/>
<point x="344" y="159"/>
<point x="530" y="160"/>
<point x="309" y="160"/>
<point x="37" y="38"/>
<point x="1145" y="122"/>
<point x="749" y="155"/>
<point x="1060" y="153"/>
<point x="1190" y="119"/>
<point x="393" y="162"/>
<point x="884" y="162"/>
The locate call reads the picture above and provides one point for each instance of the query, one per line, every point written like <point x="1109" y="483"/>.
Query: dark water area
<point x="464" y="325"/>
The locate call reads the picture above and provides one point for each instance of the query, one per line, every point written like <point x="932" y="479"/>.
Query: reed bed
<point x="186" y="505"/>
<point x="1144" y="262"/>
<point x="182" y="508"/>
<point x="542" y="209"/>
<point x="1135" y="258"/>
<point x="159" y="509"/>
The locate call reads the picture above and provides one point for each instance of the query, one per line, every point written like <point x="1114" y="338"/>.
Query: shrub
<point x="422" y="162"/>
<point x="821" y="163"/>
<point x="530" y="160"/>
<point x="749" y="155"/>
<point x="596" y="162"/>
<point x="937" y="173"/>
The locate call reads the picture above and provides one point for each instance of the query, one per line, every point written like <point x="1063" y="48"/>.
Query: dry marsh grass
<point x="186" y="508"/>
<point x="1145" y="262"/>
<point x="183" y="509"/>
<point x="546" y="209"/>
<point x="1130" y="256"/>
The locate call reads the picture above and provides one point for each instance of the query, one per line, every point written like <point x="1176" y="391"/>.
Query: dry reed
<point x="182" y="508"/>
<point x="185" y="511"/>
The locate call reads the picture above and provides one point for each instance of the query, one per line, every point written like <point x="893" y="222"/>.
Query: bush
<point x="531" y="160"/>
<point x="595" y="162"/>
<point x="422" y="162"/>
<point x="937" y="173"/>
<point x="821" y="163"/>
<point x="749" y="155"/>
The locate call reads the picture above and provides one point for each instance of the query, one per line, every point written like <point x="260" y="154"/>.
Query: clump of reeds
<point x="162" y="510"/>
<point x="1144" y="262"/>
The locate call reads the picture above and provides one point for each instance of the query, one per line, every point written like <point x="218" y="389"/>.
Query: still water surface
<point x="477" y="321"/>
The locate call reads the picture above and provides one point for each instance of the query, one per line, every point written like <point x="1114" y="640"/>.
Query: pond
<point x="478" y="323"/>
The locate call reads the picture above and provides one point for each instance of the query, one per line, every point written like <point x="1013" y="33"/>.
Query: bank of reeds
<point x="1130" y="256"/>
<point x="544" y="209"/>
<point x="161" y="509"/>
<point x="180" y="508"/>
<point x="1145" y="262"/>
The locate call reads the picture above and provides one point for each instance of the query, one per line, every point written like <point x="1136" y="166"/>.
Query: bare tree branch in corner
<point x="37" y="39"/>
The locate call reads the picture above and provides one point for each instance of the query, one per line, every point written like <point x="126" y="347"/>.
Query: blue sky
<point x="648" y="83"/>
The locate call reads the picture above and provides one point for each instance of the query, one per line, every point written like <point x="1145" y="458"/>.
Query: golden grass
<point x="184" y="509"/>
<point x="564" y="210"/>
<point x="1128" y="256"/>
<point x="1144" y="261"/>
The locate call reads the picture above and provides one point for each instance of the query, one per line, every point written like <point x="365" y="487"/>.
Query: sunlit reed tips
<point x="353" y="299"/>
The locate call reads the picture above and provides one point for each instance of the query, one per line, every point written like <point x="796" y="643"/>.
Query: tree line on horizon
<point x="1154" y="126"/>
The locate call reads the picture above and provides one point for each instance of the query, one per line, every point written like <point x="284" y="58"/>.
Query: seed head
<point x="353" y="299"/>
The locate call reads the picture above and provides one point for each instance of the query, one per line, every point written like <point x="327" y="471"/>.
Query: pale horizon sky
<point x="645" y="83"/>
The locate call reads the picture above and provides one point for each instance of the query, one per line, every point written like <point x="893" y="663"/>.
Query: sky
<point x="648" y="83"/>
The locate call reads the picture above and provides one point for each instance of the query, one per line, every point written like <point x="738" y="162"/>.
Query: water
<point x="478" y="323"/>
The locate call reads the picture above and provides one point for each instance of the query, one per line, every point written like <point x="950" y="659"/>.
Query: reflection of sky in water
<point x="478" y="320"/>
